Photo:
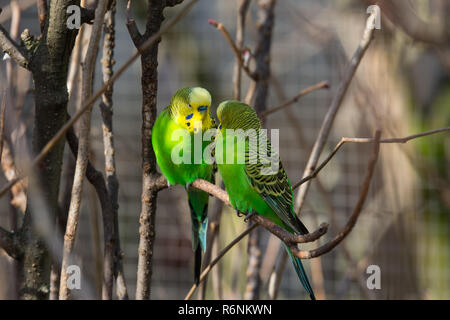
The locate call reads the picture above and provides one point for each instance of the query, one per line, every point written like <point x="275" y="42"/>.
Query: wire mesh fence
<point x="404" y="226"/>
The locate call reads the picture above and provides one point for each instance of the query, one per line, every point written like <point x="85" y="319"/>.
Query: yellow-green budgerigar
<point x="253" y="185"/>
<point x="181" y="160"/>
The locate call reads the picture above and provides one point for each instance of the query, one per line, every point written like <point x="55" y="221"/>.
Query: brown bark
<point x="262" y="71"/>
<point x="49" y="66"/>
<point x="149" y="81"/>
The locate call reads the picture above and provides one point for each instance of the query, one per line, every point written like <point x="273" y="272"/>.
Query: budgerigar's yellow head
<point x="190" y="108"/>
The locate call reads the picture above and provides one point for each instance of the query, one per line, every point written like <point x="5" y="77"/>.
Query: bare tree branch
<point x="334" y="107"/>
<point x="9" y="46"/>
<point x="276" y="276"/>
<point x="87" y="105"/>
<point x="219" y="256"/>
<point x="81" y="165"/>
<point x="240" y="32"/>
<point x="95" y="177"/>
<point x="42" y="12"/>
<point x="49" y="66"/>
<point x="317" y="86"/>
<point x="214" y="220"/>
<point x="133" y="30"/>
<point x="236" y="51"/>
<point x="265" y="25"/>
<point x="149" y="63"/>
<point x="289" y="238"/>
<point x="213" y="233"/>
<point x="400" y="14"/>
<point x="266" y="223"/>
<point x="2" y="122"/>
<point x="106" y="107"/>
<point x="365" y="140"/>
<point x="316" y="272"/>
<point x="293" y="240"/>
<point x="356" y="211"/>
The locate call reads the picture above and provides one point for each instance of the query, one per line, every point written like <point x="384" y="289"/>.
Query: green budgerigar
<point x="253" y="176"/>
<point x="178" y="143"/>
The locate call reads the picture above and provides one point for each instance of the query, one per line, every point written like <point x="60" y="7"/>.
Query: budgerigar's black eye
<point x="190" y="106"/>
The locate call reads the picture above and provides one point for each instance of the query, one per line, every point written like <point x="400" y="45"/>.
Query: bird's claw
<point x="239" y="214"/>
<point x="248" y="216"/>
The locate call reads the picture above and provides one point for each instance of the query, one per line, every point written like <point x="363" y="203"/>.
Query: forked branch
<point x="219" y="26"/>
<point x="8" y="45"/>
<point x="356" y="211"/>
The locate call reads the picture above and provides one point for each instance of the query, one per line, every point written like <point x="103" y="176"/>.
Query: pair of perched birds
<point x="250" y="191"/>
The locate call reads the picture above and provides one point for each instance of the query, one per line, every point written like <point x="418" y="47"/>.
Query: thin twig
<point x="106" y="107"/>
<point x="86" y="106"/>
<point x="217" y="259"/>
<point x="13" y="49"/>
<point x="133" y="30"/>
<point x="219" y="26"/>
<point x="61" y="219"/>
<point x="2" y="122"/>
<point x="250" y="93"/>
<point x="317" y="86"/>
<point x="276" y="276"/>
<point x="81" y="165"/>
<point x="407" y="20"/>
<point x="42" y="12"/>
<point x="240" y="32"/>
<point x="328" y="246"/>
<point x="365" y="140"/>
<point x="279" y="232"/>
<point x="213" y="236"/>
<point x="287" y="237"/>
<point x="334" y="107"/>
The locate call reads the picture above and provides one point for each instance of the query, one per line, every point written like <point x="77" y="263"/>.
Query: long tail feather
<point x="200" y="240"/>
<point x="298" y="266"/>
<point x="198" y="204"/>
<point x="197" y="265"/>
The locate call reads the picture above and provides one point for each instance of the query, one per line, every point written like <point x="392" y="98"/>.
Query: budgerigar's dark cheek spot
<point x="188" y="124"/>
